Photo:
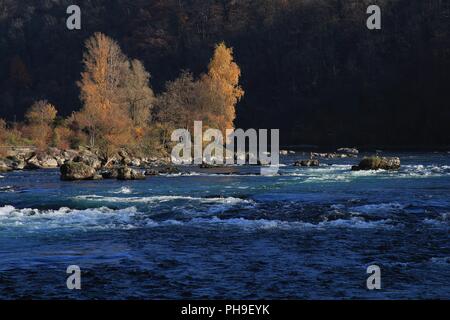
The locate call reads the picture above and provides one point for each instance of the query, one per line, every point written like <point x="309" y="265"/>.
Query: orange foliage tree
<point x="104" y="115"/>
<point x="221" y="89"/>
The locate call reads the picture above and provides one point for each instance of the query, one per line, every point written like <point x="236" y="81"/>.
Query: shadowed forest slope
<point x="310" y="68"/>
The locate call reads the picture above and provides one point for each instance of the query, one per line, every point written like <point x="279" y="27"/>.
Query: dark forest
<point x="310" y="68"/>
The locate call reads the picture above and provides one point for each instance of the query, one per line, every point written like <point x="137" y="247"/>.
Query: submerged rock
<point x="307" y="163"/>
<point x="71" y="171"/>
<point x="162" y="170"/>
<point x="126" y="173"/>
<point x="378" y="163"/>
<point x="205" y="165"/>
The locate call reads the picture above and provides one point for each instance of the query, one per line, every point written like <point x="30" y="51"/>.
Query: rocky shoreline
<point x="85" y="164"/>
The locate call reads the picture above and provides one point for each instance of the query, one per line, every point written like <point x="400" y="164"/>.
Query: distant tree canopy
<point x="310" y="68"/>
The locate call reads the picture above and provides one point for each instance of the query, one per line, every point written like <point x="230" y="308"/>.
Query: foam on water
<point x="343" y="173"/>
<point x="7" y="189"/>
<point x="130" y="218"/>
<point x="259" y="224"/>
<point x="66" y="218"/>
<point x="163" y="198"/>
<point x="124" y="190"/>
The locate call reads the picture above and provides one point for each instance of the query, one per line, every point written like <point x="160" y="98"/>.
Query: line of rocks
<point x="84" y="164"/>
<point x="368" y="163"/>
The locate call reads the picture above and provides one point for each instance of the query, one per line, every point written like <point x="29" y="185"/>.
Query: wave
<point x="163" y="198"/>
<point x="130" y="218"/>
<point x="440" y="260"/>
<point x="7" y="189"/>
<point x="378" y="207"/>
<point x="66" y="218"/>
<point x="290" y="225"/>
<point x="423" y="171"/>
<point x="123" y="190"/>
<point x="439" y="223"/>
<point x="343" y="173"/>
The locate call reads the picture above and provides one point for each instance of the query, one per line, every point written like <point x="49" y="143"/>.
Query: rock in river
<point x="71" y="171"/>
<point x="307" y="163"/>
<point x="126" y="173"/>
<point x="378" y="163"/>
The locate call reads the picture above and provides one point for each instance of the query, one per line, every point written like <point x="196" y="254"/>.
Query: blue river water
<point x="306" y="233"/>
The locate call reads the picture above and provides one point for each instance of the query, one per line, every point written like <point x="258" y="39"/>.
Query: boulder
<point x="262" y="162"/>
<point x="126" y="173"/>
<point x="110" y="173"/>
<point x="48" y="162"/>
<point x="124" y="158"/>
<point x="378" y="163"/>
<point x="136" y="162"/>
<point x="15" y="162"/>
<point x="162" y="170"/>
<point x="5" y="166"/>
<point x="206" y="165"/>
<point x="41" y="161"/>
<point x="90" y="160"/>
<point x="33" y="163"/>
<point x="71" y="171"/>
<point x="18" y="165"/>
<point x="353" y="151"/>
<point x="69" y="155"/>
<point x="307" y="163"/>
<point x="60" y="160"/>
<point x="97" y="176"/>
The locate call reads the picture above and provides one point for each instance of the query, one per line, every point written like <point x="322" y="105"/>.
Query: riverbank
<point x="86" y="164"/>
<point x="31" y="159"/>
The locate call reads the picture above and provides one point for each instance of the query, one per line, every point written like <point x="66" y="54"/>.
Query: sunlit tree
<point x="221" y="86"/>
<point x="104" y="115"/>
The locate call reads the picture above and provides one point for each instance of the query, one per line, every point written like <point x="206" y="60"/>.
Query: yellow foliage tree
<point x="221" y="85"/>
<point x="40" y="119"/>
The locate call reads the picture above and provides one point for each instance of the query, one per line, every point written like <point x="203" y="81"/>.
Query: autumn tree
<point x="139" y="97"/>
<point x="212" y="99"/>
<point x="104" y="115"/>
<point x="221" y="89"/>
<point x="40" y="119"/>
<point x="179" y="106"/>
